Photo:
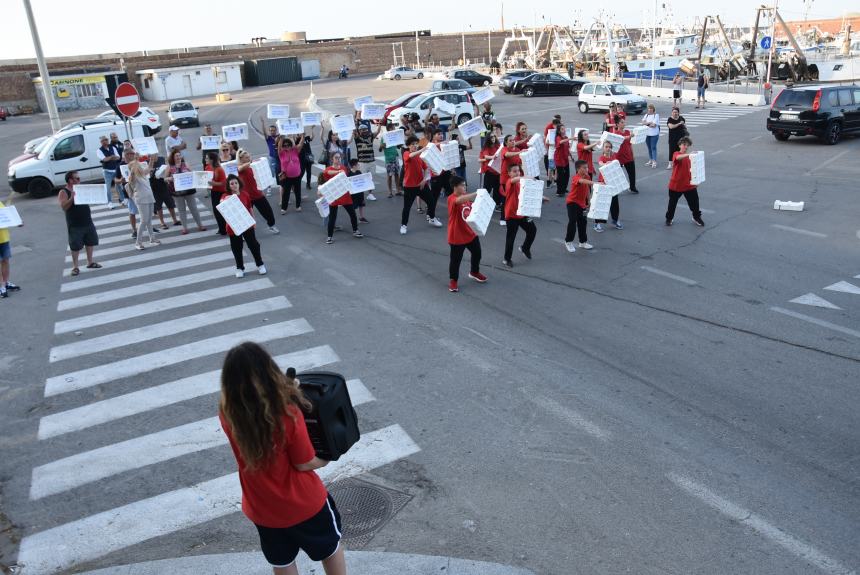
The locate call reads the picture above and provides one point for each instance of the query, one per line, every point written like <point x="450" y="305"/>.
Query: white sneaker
<point x="274" y="229"/>
<point x="240" y="273"/>
<point x="402" y="230"/>
<point x="669" y="166"/>
<point x="435" y="222"/>
<point x="262" y="270"/>
<point x="371" y="197"/>
<point x="125" y="203"/>
<point x="111" y="205"/>
<point x="585" y="245"/>
<point x="503" y="223"/>
<point x="570" y="247"/>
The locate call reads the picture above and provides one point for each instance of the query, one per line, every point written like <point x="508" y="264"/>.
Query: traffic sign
<point x="766" y="42"/>
<point x="127" y="99"/>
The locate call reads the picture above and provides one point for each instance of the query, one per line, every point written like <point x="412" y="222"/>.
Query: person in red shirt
<point x="345" y="200"/>
<point x="261" y="413"/>
<point x="460" y="235"/>
<point x="521" y="136"/>
<point x="440" y="181"/>
<point x="414" y="185"/>
<point x="510" y="157"/>
<point x="679" y="184"/>
<point x="561" y="159"/>
<point x="577" y="203"/>
<point x="515" y="222"/>
<point x="547" y="163"/>
<point x="217" y="187"/>
<point x="489" y="176"/>
<point x="585" y="150"/>
<point x="615" y="207"/>
<point x="625" y="151"/>
<point x="609" y="123"/>
<point x="235" y="187"/>
<point x="249" y="184"/>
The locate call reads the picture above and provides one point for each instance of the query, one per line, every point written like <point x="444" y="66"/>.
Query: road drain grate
<point x="364" y="509"/>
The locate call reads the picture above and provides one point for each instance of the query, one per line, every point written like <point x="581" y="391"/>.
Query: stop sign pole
<point x="127" y="101"/>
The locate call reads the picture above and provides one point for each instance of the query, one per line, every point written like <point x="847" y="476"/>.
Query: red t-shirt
<point x="610" y="118"/>
<point x="584" y="154"/>
<point x="547" y="128"/>
<point x="488" y="153"/>
<point x="680" y="180"/>
<point x="625" y="150"/>
<point x="413" y="170"/>
<point x="507" y="163"/>
<point x="246" y="201"/>
<point x="459" y="232"/>
<point x="562" y="152"/>
<point x="280" y="495"/>
<point x="512" y="201"/>
<point x="329" y="173"/>
<point x="578" y="193"/>
<point x="523" y="143"/>
<point x="602" y="161"/>
<point x="219" y="178"/>
<point x="249" y="184"/>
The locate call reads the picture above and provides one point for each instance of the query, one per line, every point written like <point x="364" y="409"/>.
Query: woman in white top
<point x="141" y="193"/>
<point x="677" y="87"/>
<point x="652" y="121"/>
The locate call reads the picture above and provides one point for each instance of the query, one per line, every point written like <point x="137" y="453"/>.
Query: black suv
<point x="823" y="111"/>
<point x="470" y="76"/>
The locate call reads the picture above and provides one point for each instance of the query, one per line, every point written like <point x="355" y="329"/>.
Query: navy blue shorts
<point x="318" y="536"/>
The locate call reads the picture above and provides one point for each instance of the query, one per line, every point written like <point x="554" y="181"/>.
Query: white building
<point x="163" y="84"/>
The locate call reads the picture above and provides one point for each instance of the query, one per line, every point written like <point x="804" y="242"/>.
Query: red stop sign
<point x="127" y="99"/>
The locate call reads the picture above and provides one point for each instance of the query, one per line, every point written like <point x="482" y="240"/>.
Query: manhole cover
<point x="364" y="509"/>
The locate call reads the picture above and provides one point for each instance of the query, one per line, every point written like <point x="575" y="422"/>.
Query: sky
<point x="84" y="26"/>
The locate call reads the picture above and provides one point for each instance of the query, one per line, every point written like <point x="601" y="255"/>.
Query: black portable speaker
<point x="332" y="423"/>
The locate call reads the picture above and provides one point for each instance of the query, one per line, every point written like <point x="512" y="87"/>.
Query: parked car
<point x="86" y="122"/>
<point x="453" y="85"/>
<point x="508" y="79"/>
<point x="402" y="73"/>
<point x="4" y="113"/>
<point x="826" y="112"/>
<point x="470" y="76"/>
<point x="182" y="113"/>
<point x="398" y="102"/>
<point x="547" y="84"/>
<point x="424" y="105"/>
<point x="598" y="96"/>
<point x="151" y="121"/>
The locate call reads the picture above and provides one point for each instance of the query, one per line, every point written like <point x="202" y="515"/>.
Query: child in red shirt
<point x="614" y="207"/>
<point x="561" y="159"/>
<point x="217" y="187"/>
<point x="679" y="184"/>
<point x="236" y="188"/>
<point x="577" y="203"/>
<point x="460" y="235"/>
<point x="625" y="151"/>
<point x="515" y="222"/>
<point x="414" y="185"/>
<point x="345" y="200"/>
<point x="249" y="184"/>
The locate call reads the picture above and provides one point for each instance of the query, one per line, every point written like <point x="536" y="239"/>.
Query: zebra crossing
<point x="711" y="114"/>
<point x="132" y="341"/>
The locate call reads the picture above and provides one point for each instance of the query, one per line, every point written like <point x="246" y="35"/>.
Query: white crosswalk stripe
<point x="129" y="247"/>
<point x="699" y="118"/>
<point x="125" y="237"/>
<point x="156" y="342"/>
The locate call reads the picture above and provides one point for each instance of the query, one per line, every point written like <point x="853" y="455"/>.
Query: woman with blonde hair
<point x="261" y="413"/>
<point x="141" y="193"/>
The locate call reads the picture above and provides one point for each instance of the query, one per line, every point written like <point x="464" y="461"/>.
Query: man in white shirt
<point x="173" y="140"/>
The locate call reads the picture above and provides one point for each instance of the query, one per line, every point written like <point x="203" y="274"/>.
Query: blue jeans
<point x="109" y="174"/>
<point x="651" y="142"/>
<point x="273" y="163"/>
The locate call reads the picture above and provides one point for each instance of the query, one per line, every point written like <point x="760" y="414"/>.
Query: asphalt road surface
<point x="677" y="400"/>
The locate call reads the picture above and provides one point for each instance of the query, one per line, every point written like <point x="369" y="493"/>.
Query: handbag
<point x="323" y="157"/>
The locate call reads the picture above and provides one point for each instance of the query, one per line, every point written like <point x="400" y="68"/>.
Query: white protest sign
<point x="615" y="176"/>
<point x="472" y="128"/>
<point x="483" y="95"/>
<point x="311" y="118"/>
<point x="531" y="162"/>
<point x="496" y="161"/>
<point x="290" y="126"/>
<point x="145" y="146"/>
<point x="639" y="134"/>
<point x="371" y="111"/>
<point x="361" y="101"/>
<point x="361" y="183"/>
<point x="443" y="106"/>
<point x="202" y="179"/>
<point x="341" y="124"/>
<point x="601" y="201"/>
<point x="616" y="139"/>
<point x="530" y="198"/>
<point x="262" y="173"/>
<point x="322" y="207"/>
<point x="10" y="218"/>
<point x="278" y="111"/>
<point x="697" y="168"/>
<point x="344" y="136"/>
<point x="482" y="212"/>
<point x="210" y="142"/>
<point x="160" y="172"/>
<point x="90" y="194"/>
<point x="394" y="138"/>
<point x="432" y="157"/>
<point x="568" y="132"/>
<point x="536" y="142"/>
<point x="123" y="171"/>
<point x="550" y="137"/>
<point x="335" y="188"/>
<point x="235" y="132"/>
<point x="236" y="214"/>
<point x="183" y="181"/>
<point x="231" y="167"/>
<point x="451" y="154"/>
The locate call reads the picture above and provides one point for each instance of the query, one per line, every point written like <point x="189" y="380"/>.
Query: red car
<point x="4" y="113"/>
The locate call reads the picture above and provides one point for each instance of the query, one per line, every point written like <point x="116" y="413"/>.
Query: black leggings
<point x="262" y="205"/>
<point x="692" y="197"/>
<point x="441" y="182"/>
<point x="614" y="211"/>
<point x="492" y="185"/>
<point x="236" y="247"/>
<point x="576" y="222"/>
<point x="306" y="172"/>
<point x="457" y="251"/>
<point x="515" y="224"/>
<point x="562" y="178"/>
<point x="332" y="218"/>
<point x="222" y="224"/>
<point x="294" y="184"/>
<point x="409" y="195"/>
<point x="631" y="175"/>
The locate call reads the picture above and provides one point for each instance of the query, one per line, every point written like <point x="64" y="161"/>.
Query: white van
<point x="70" y="150"/>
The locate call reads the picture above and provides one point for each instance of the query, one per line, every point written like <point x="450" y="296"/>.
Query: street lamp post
<point x="53" y="115"/>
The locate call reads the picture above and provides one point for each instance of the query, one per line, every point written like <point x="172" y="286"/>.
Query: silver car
<point x="403" y="73"/>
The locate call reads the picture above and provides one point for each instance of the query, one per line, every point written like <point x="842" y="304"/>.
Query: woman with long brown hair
<point x="261" y="413"/>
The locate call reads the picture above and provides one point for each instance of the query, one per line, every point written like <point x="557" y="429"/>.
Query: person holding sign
<point x="217" y="187"/>
<point x="413" y="185"/>
<point x="354" y="169"/>
<point x="615" y="207"/>
<point x="290" y="172"/>
<point x="79" y="223"/>
<point x="680" y="185"/>
<point x="585" y="150"/>
<point x="5" y="256"/>
<point x="392" y="164"/>
<point x="272" y="139"/>
<point x="345" y="200"/>
<point x="235" y="187"/>
<point x="186" y="200"/>
<point x="490" y="177"/>
<point x="625" y="151"/>
<point x="207" y="133"/>
<point x="461" y="237"/>
<point x="561" y="159"/>
<point x="577" y="204"/>
<point x="515" y="222"/>
<point x="521" y="136"/>
<point x="249" y="184"/>
<point x="364" y="149"/>
<point x="141" y="193"/>
<point x="439" y="182"/>
<point x="510" y="157"/>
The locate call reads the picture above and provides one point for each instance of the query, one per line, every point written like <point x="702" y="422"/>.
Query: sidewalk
<point x="358" y="563"/>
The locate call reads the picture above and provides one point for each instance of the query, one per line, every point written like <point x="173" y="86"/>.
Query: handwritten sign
<point x="496" y="161"/>
<point x="472" y="128"/>
<point x="90" y="194"/>
<point x="278" y="111"/>
<point x="432" y="156"/>
<point x="210" y="142"/>
<point x="530" y="199"/>
<point x="550" y="137"/>
<point x="601" y="201"/>
<point x="531" y="162"/>
<point x="481" y="214"/>
<point x="697" y="168"/>
<point x="183" y="181"/>
<point x="262" y="173"/>
<point x="341" y="124"/>
<point x="235" y="132"/>
<point x="639" y="134"/>
<point x="371" y="111"/>
<point x="231" y="167"/>
<point x="322" y="207"/>
<point x="394" y="138"/>
<point x="344" y="136"/>
<point x="361" y="101"/>
<point x="443" y="106"/>
<point x="483" y="95"/>
<point x="236" y="214"/>
<point x="536" y="142"/>
<point x="123" y="171"/>
<point x="615" y="176"/>
<point x="10" y="218"/>
<point x="311" y="119"/>
<point x="616" y="139"/>
<point x="290" y="126"/>
<point x="335" y="188"/>
<point x="451" y="154"/>
<point x="145" y="146"/>
<point x="361" y="183"/>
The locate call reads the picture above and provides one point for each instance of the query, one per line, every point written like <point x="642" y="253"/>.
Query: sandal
<point x="94" y="266"/>
<point x="76" y="271"/>
<point x="184" y="232"/>
<point x="177" y="223"/>
<point x="165" y="227"/>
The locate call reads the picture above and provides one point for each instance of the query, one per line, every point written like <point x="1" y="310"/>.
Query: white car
<point x="146" y="115"/>
<point x="182" y="114"/>
<point x="424" y="105"/>
<point x="598" y="96"/>
<point x="403" y="73"/>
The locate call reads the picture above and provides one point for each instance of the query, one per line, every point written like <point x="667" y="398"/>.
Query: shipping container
<point x="268" y="71"/>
